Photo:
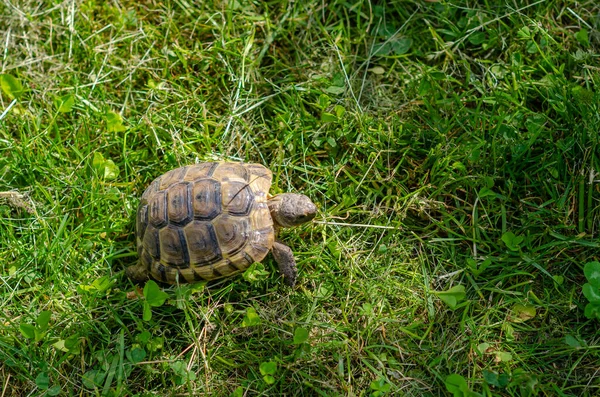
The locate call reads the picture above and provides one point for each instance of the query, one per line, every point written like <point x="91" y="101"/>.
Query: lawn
<point x="451" y="148"/>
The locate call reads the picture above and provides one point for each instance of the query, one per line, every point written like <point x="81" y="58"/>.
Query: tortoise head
<point x="291" y="209"/>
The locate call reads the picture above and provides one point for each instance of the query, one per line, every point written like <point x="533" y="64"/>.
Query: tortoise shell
<point x="205" y="221"/>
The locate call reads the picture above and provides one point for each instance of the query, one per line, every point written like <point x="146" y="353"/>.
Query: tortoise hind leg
<point x="138" y="273"/>
<point x="287" y="264"/>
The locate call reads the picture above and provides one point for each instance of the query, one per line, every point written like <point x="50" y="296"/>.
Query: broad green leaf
<point x="503" y="357"/>
<point x="333" y="89"/>
<point x="114" y="122"/>
<point x="72" y="342"/>
<point x="509" y="331"/>
<point x="395" y="46"/>
<point x="452" y="296"/>
<point x="425" y="87"/>
<point x="43" y="320"/>
<point x="11" y="86"/>
<point x="144" y="337"/>
<point x="27" y="330"/>
<point x="179" y="368"/>
<point x="93" y="378"/>
<point x="583" y="95"/>
<point x="256" y="272"/>
<point x="339" y="110"/>
<point x="477" y="38"/>
<point x="238" y="392"/>
<point x="156" y="344"/>
<point x="531" y="47"/>
<point x="106" y="169"/>
<point x="592" y="294"/>
<point x="524" y="33"/>
<point x="324" y="101"/>
<point x="42" y="381"/>
<point x="327" y="117"/>
<point x="65" y="103"/>
<point x="147" y="314"/>
<point x="440" y="76"/>
<point x="583" y="37"/>
<point x="53" y="391"/>
<point x="60" y="345"/>
<point x="491" y="378"/>
<point x="137" y="354"/>
<point x="102" y="284"/>
<point x="251" y="318"/>
<point x="380" y="384"/>
<point x="111" y="170"/>
<point x="592" y="311"/>
<point x="324" y="291"/>
<point x="573" y="342"/>
<point x="512" y="241"/>
<point x="154" y="295"/>
<point x="523" y="312"/>
<point x="503" y="380"/>
<point x="98" y="161"/>
<point x="592" y="273"/>
<point x="180" y="380"/>
<point x="402" y="45"/>
<point x="457" y="385"/>
<point x="526" y="382"/>
<point x="300" y="336"/>
<point x="486" y="192"/>
<point x="478" y="269"/>
<point x="457" y="165"/>
<point x="196" y="288"/>
<point x="268" y="368"/>
<point x="450" y="300"/>
<point x="269" y="380"/>
<point x="39" y="334"/>
<point x="483" y="347"/>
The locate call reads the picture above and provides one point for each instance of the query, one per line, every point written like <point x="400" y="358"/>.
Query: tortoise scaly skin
<point x="212" y="220"/>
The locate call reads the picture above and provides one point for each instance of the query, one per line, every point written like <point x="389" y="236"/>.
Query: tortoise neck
<point x="275" y="208"/>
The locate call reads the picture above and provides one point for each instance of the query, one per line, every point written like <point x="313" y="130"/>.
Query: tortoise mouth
<point x="299" y="211"/>
<point x="308" y="214"/>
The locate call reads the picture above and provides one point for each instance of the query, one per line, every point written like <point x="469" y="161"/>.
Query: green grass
<point x="446" y="144"/>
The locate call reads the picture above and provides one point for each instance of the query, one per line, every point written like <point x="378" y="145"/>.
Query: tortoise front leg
<point x="287" y="264"/>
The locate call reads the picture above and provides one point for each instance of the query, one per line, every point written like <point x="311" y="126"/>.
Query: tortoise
<point x="212" y="220"/>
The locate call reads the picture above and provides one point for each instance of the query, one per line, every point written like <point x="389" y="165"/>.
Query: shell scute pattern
<point x="141" y="221"/>
<point x="173" y="248"/>
<point x="172" y="177"/>
<point x="198" y="171"/>
<point x="179" y="205"/>
<point x="237" y="197"/>
<point x="207" y="199"/>
<point x="205" y="221"/>
<point x="231" y="172"/>
<point x="232" y="233"/>
<point x="202" y="243"/>
<point x="157" y="209"/>
<point x="151" y="242"/>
